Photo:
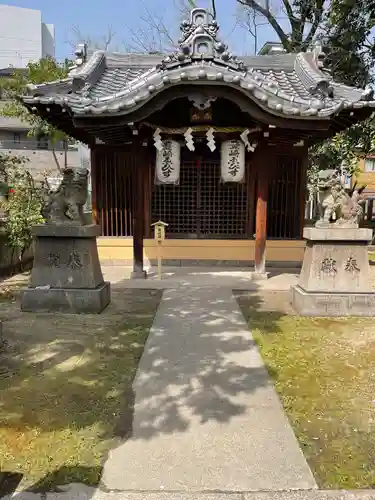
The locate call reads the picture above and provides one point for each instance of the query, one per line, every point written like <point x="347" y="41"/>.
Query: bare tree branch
<point x="318" y="17"/>
<point x="56" y="159"/>
<point x="213" y="3"/>
<point x="307" y="16"/>
<point x="157" y="24"/>
<point x="250" y="24"/>
<point x="266" y="12"/>
<point x="288" y="9"/>
<point x="152" y="34"/>
<point x="104" y="42"/>
<point x="183" y="9"/>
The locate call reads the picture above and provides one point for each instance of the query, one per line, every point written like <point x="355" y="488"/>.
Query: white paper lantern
<point x="168" y="162"/>
<point x="232" y="161"/>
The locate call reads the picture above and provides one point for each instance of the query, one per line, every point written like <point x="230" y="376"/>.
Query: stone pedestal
<point x="335" y="276"/>
<point x="66" y="274"/>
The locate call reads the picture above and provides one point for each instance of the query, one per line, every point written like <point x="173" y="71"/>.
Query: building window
<point x="16" y="138"/>
<point x="42" y="143"/>
<point x="370" y="165"/>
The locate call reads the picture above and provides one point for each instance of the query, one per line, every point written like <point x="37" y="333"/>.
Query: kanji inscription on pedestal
<point x="74" y="261"/>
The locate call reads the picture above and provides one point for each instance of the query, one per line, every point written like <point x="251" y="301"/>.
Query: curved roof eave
<point x="263" y="93"/>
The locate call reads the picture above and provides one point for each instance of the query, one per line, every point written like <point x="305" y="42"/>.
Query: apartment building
<point x="366" y="174"/>
<point x="25" y="38"/>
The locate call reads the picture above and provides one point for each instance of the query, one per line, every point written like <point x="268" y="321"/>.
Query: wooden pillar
<point x="138" y="213"/>
<point x="303" y="159"/>
<point x="261" y="225"/>
<point x="93" y="174"/>
<point x="251" y="184"/>
<point x="370" y="205"/>
<point x="147" y="183"/>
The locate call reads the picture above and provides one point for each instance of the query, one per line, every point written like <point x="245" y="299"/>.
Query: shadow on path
<point x="203" y="373"/>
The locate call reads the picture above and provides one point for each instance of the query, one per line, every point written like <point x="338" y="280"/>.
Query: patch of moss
<point x="66" y="393"/>
<point x="323" y="370"/>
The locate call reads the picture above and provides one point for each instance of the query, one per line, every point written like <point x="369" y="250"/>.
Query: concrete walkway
<point x="182" y="277"/>
<point x="206" y="416"/>
<point x="81" y="492"/>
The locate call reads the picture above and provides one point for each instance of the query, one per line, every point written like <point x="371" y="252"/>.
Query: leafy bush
<point x="23" y="203"/>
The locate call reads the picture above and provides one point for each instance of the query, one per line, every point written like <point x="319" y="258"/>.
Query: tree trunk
<point x="56" y="159"/>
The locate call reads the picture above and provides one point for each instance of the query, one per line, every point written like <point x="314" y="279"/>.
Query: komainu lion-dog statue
<point x="338" y="207"/>
<point x="65" y="205"/>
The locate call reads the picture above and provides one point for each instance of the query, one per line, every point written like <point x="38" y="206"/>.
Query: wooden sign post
<point x="159" y="235"/>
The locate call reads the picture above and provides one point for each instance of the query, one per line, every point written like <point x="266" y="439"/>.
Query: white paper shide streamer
<point x="168" y="162"/>
<point x="189" y="139"/>
<point x="211" y="139"/>
<point x="157" y="139"/>
<point x="244" y="138"/>
<point x="232" y="161"/>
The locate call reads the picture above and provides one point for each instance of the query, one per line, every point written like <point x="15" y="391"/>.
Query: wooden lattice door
<point x="201" y="206"/>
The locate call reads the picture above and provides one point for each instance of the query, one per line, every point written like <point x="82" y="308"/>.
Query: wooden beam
<point x="246" y="105"/>
<point x="138" y="213"/>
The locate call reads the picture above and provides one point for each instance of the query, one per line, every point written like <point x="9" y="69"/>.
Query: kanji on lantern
<point x="232" y="161"/>
<point x="168" y="162"/>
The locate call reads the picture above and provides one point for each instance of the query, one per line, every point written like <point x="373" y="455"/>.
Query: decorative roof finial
<point x="199" y="41"/>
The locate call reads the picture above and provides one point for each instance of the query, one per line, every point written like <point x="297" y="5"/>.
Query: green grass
<point x="65" y="389"/>
<point x="324" y="372"/>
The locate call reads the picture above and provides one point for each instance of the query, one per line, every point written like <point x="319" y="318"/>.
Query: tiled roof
<point x="112" y="81"/>
<point x="289" y="85"/>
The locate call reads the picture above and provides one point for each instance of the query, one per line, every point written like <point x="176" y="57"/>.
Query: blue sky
<point x="93" y="17"/>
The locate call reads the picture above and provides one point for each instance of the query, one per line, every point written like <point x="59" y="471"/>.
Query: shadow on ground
<point x="9" y="482"/>
<point x="56" y="481"/>
<point x="66" y="373"/>
<point x="211" y="377"/>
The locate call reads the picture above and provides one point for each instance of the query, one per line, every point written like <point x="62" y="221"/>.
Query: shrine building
<point x="213" y="145"/>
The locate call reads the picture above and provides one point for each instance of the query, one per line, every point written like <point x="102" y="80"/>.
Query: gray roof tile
<point x="113" y="81"/>
<point x="292" y="85"/>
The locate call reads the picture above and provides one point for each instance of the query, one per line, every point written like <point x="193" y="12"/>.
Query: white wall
<point x="48" y="40"/>
<point x="23" y="36"/>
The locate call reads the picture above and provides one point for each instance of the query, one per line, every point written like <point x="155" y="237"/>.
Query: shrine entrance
<point x="156" y="125"/>
<point x="201" y="205"/>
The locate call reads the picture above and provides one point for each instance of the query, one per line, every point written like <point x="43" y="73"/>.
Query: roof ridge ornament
<point x="320" y="56"/>
<point x="81" y="54"/>
<point x="199" y="42"/>
<point x="311" y="69"/>
<point x="81" y="57"/>
<point x="323" y="87"/>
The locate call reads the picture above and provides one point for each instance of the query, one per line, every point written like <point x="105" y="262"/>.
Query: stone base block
<point x="138" y="275"/>
<point x="66" y="257"/>
<point x="66" y="300"/>
<point x="259" y="276"/>
<point x="307" y="303"/>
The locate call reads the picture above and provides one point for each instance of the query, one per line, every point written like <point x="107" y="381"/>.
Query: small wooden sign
<point x="159" y="230"/>
<point x="159" y="235"/>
